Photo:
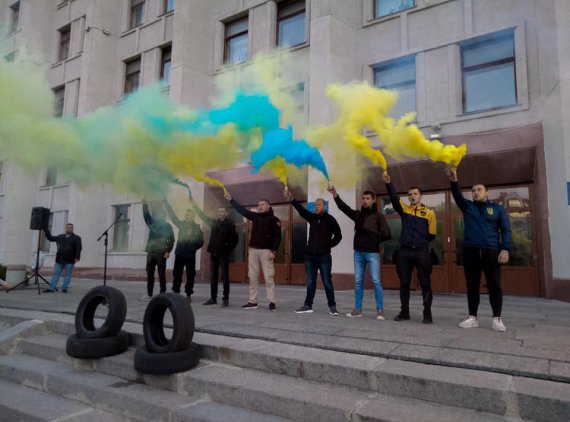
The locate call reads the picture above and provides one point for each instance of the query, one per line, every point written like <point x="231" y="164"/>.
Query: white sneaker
<point x="380" y="316"/>
<point x="470" y="322"/>
<point x="145" y="298"/>
<point x="498" y="325"/>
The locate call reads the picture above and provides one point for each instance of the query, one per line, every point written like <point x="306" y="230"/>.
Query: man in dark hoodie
<point x="263" y="246"/>
<point x="486" y="244"/>
<point x="324" y="234"/>
<point x="190" y="240"/>
<point x="68" y="253"/>
<point x="158" y="247"/>
<point x="419" y="228"/>
<point x="223" y="239"/>
<point x="370" y="229"/>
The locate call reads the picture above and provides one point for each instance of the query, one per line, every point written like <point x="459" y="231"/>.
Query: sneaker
<point x="427" y="317"/>
<point x="333" y="311"/>
<point x="402" y="316"/>
<point x="380" y="316"/>
<point x="225" y="303"/>
<point x="272" y="307"/>
<point x="145" y="298"/>
<point x="498" y="325"/>
<point x="470" y="322"/>
<point x="304" y="310"/>
<point x="48" y="291"/>
<point x="249" y="305"/>
<point x="210" y="302"/>
<point x="354" y="314"/>
<point x="63" y="290"/>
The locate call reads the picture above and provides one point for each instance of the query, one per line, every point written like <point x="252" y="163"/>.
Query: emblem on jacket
<point x="490" y="211"/>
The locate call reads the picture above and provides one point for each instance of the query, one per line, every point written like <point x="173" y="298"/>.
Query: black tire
<point x="94" y="348"/>
<point x="182" y="321"/>
<point x="166" y="363"/>
<point x="85" y="315"/>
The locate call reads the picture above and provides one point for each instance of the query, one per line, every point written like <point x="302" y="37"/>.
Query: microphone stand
<point x="106" y="242"/>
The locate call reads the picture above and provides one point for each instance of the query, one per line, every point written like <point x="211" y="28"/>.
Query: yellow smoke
<point x="278" y="168"/>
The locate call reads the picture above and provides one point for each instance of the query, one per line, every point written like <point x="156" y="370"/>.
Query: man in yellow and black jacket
<point x="419" y="228"/>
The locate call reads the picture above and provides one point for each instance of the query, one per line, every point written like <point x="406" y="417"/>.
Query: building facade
<point x="493" y="74"/>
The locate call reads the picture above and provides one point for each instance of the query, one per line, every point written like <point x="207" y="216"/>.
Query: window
<point x="168" y="6"/>
<point x="388" y="7"/>
<point x="165" y="64"/>
<point x="488" y="68"/>
<point x="121" y="228"/>
<point x="14" y="16"/>
<point x="132" y="75"/>
<point x="236" y="41"/>
<point x="59" y="94"/>
<point x="291" y="23"/>
<point x="399" y="75"/>
<point x="51" y="176"/>
<point x="64" y="42"/>
<point x="136" y="13"/>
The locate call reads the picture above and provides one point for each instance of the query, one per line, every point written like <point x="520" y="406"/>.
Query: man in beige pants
<point x="263" y="245"/>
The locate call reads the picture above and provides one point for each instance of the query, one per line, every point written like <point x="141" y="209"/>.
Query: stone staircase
<point x="254" y="380"/>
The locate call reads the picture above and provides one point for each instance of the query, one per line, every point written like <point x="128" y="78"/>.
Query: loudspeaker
<point x="40" y="218"/>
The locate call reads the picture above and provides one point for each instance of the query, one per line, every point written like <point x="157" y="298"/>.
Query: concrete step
<point x="477" y="390"/>
<point x="16" y="400"/>
<point x="125" y="399"/>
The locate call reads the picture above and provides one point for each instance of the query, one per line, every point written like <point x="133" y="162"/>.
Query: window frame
<point x="282" y="5"/>
<point x="126" y="88"/>
<point x="375" y="8"/>
<point x="134" y="6"/>
<point x="489" y="38"/>
<point x="64" y="43"/>
<point x="227" y="39"/>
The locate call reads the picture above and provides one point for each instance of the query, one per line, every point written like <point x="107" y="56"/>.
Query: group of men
<point x="486" y="244"/>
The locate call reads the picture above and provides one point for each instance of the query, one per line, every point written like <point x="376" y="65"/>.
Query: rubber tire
<point x="95" y="348"/>
<point x="182" y="321"/>
<point x="85" y="315"/>
<point x="166" y="363"/>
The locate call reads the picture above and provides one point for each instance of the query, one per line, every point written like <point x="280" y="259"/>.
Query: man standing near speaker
<point x="68" y="253"/>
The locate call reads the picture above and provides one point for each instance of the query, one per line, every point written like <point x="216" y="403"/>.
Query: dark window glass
<point x="489" y="73"/>
<point x="136" y="16"/>
<point x="165" y="65"/>
<point x="291" y="23"/>
<point x="388" y="7"/>
<point x="236" y="41"/>
<point x="168" y="6"/>
<point x="59" y="94"/>
<point x="121" y="228"/>
<point x="132" y="75"/>
<point x="399" y="75"/>
<point x="64" y="43"/>
<point x="51" y="176"/>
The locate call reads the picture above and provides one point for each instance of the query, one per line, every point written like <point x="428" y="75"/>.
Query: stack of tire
<point x="161" y="355"/>
<point x="90" y="342"/>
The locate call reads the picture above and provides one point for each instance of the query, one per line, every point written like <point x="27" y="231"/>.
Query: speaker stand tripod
<point x="35" y="275"/>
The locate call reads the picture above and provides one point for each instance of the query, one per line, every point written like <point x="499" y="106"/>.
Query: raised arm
<point x="146" y="213"/>
<point x="202" y="215"/>
<point x="350" y="213"/>
<point x="456" y="191"/>
<point x="250" y="215"/>
<point x="49" y="236"/>
<point x="172" y="215"/>
<point x="303" y="212"/>
<point x="394" y="197"/>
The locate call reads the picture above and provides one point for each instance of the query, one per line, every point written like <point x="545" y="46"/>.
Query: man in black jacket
<point x="263" y="246"/>
<point x="324" y="234"/>
<point x="190" y="240"/>
<point x="158" y="247"/>
<point x="68" y="253"/>
<point x="419" y="228"/>
<point x="370" y="229"/>
<point x="223" y="239"/>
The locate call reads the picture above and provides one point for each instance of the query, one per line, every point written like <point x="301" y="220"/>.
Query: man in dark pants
<point x="68" y="253"/>
<point x="190" y="240"/>
<point x="263" y="245"/>
<point x="324" y="234"/>
<point x="486" y="244"/>
<point x="223" y="239"/>
<point x="158" y="247"/>
<point x="419" y="227"/>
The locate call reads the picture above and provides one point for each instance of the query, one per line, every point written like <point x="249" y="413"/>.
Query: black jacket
<point x="160" y="235"/>
<point x="223" y="238"/>
<point x="324" y="231"/>
<point x="68" y="247"/>
<point x="266" y="228"/>
<point x="190" y="236"/>
<point x="370" y="227"/>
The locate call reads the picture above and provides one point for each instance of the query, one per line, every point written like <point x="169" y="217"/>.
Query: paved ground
<point x="536" y="344"/>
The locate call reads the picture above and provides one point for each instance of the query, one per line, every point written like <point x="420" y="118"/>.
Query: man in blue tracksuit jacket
<point x="486" y="244"/>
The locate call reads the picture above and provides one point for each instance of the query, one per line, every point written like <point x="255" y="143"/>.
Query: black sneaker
<point x="49" y="291"/>
<point x="63" y="290"/>
<point x="210" y="302"/>
<point x="225" y="303"/>
<point x="249" y="305"/>
<point x="402" y="316"/>
<point x="427" y="317"/>
<point x="273" y="308"/>
<point x="302" y="310"/>
<point x="333" y="311"/>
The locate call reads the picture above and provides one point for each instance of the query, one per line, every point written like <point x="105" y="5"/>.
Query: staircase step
<point x="16" y="400"/>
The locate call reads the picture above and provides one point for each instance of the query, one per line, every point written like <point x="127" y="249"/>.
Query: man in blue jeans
<point x="370" y="229"/>
<point x="324" y="234"/>
<point x="68" y="253"/>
